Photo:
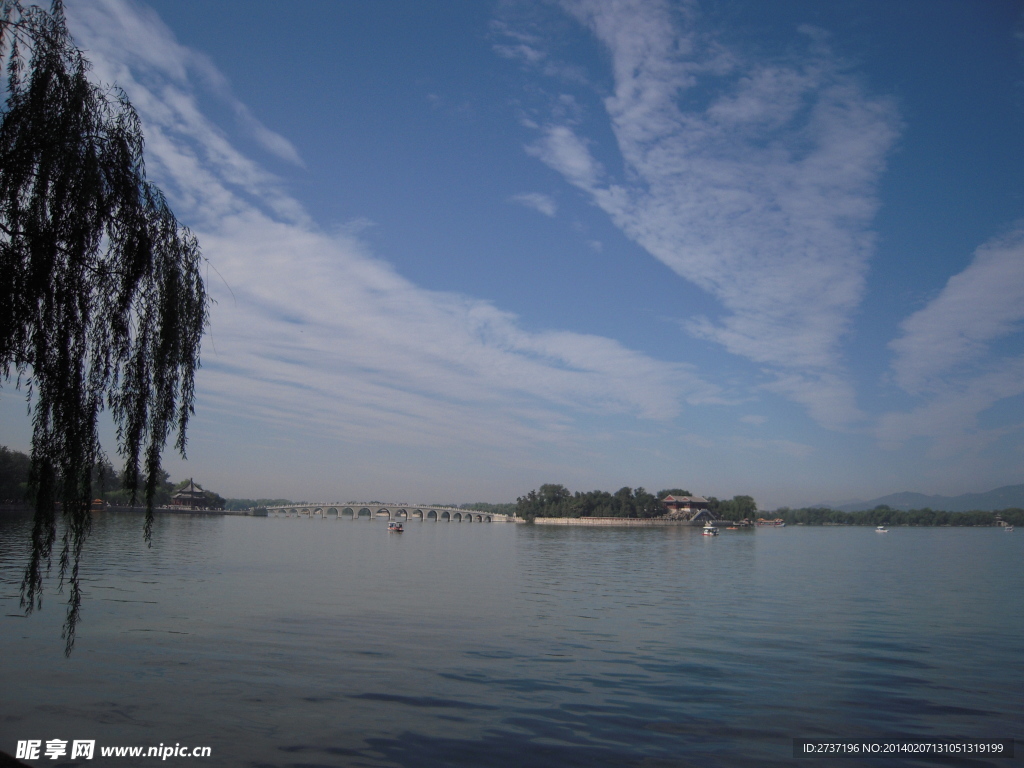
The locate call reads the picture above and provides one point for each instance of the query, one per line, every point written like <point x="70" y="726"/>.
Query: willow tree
<point x="103" y="302"/>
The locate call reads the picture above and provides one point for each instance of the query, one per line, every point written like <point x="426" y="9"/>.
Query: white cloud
<point x="518" y="45"/>
<point x="538" y="201"/>
<point x="764" y="197"/>
<point x="320" y="337"/>
<point x="977" y="306"/>
<point x="945" y="352"/>
<point x="950" y="416"/>
<point x="828" y="397"/>
<point x="144" y="44"/>
<point x="564" y="151"/>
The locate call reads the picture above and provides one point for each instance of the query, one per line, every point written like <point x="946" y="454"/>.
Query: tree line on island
<point x="554" y="500"/>
<point x="550" y="500"/>
<point x="108" y="484"/>
<point x="886" y="515"/>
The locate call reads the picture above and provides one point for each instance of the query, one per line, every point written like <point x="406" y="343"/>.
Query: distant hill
<point x="1000" y="498"/>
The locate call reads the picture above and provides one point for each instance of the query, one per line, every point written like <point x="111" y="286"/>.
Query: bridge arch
<point x="373" y="511"/>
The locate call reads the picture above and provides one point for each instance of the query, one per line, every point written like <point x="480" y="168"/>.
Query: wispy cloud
<point x="949" y="417"/>
<point x="207" y="176"/>
<point x="977" y="306"/>
<point x="517" y="44"/>
<point x="538" y="201"/>
<point x="145" y="44"/>
<point x="947" y="352"/>
<point x="323" y="337"/>
<point x="754" y="180"/>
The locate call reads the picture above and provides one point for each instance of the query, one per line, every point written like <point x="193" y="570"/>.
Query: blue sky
<point x="461" y="249"/>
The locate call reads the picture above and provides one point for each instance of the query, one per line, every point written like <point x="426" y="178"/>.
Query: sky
<point x="461" y="249"/>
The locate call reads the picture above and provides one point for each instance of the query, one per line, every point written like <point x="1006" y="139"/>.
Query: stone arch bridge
<point x="371" y="511"/>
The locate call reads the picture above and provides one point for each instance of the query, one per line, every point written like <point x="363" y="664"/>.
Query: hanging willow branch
<point x="103" y="302"/>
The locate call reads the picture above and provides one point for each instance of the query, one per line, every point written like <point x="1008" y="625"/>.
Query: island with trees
<point x="111" y="489"/>
<point x="885" y="515"/>
<point x="555" y="502"/>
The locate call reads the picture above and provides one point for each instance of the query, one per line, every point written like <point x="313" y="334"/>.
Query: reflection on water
<point x="287" y="642"/>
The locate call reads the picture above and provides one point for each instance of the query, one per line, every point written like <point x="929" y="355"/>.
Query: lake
<point x="310" y="642"/>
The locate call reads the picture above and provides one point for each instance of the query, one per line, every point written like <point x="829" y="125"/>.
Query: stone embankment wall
<point x="185" y="511"/>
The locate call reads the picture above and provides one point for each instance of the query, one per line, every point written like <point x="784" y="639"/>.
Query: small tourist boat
<point x="881" y="529"/>
<point x="710" y="530"/>
<point x="1008" y="528"/>
<point x="395" y="528"/>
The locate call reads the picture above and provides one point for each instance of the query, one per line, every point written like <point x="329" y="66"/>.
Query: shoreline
<point x="142" y="510"/>
<point x="622" y="522"/>
<point x="638" y="522"/>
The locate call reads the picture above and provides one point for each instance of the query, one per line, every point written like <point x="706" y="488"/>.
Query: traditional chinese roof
<point x="190" y="491"/>
<point x="684" y="500"/>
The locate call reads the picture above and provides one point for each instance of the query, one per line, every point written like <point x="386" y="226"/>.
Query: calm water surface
<point x="298" y="642"/>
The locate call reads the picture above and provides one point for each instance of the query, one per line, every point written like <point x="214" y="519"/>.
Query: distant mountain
<point x="1000" y="498"/>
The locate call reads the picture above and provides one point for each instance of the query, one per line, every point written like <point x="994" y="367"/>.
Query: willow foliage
<point x="103" y="301"/>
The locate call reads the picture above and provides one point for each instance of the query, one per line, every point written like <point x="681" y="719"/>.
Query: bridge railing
<point x="391" y="510"/>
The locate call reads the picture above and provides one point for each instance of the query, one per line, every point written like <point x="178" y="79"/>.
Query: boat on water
<point x="881" y="529"/>
<point x="395" y="528"/>
<point x="710" y="530"/>
<point x="1008" y="528"/>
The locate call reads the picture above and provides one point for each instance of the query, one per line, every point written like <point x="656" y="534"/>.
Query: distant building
<point x="689" y="508"/>
<point x="191" y="496"/>
<point x="685" y="503"/>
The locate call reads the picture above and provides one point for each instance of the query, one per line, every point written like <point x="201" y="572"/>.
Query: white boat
<point x="881" y="529"/>
<point x="1007" y="528"/>
<point x="710" y="530"/>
